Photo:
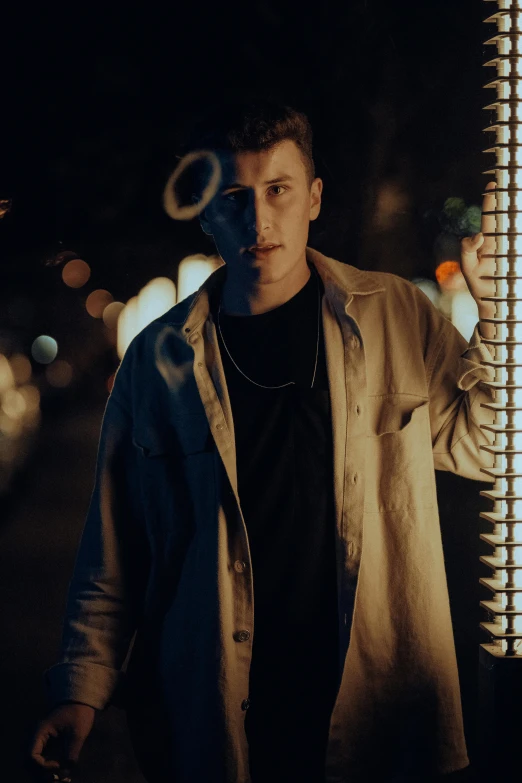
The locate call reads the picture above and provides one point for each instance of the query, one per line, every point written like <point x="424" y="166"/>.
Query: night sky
<point x="96" y="100"/>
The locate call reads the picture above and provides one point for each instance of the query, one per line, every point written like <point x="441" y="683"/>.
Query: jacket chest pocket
<point x="186" y="435"/>
<point x="399" y="467"/>
<point x="176" y="471"/>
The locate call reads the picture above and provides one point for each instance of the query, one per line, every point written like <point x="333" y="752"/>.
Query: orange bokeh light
<point x="446" y="270"/>
<point x="76" y="273"/>
<point x="97" y="301"/>
<point x="59" y="373"/>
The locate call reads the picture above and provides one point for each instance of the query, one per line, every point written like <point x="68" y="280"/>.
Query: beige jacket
<point x="165" y="530"/>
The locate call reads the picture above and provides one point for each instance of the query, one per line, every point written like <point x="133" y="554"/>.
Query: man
<point x="264" y="515"/>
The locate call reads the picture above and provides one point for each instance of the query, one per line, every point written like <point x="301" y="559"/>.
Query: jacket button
<point x="242" y="636"/>
<point x="245" y="704"/>
<point x="240" y="566"/>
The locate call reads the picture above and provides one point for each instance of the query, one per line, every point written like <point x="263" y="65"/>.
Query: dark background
<point x="95" y="102"/>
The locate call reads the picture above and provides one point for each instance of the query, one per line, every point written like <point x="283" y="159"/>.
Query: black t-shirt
<point x="285" y="483"/>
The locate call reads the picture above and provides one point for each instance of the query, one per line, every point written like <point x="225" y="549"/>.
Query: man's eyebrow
<point x="282" y="178"/>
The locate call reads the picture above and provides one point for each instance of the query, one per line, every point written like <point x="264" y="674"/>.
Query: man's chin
<point x="241" y="261"/>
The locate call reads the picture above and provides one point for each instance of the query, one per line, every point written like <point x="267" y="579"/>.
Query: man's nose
<point x="257" y="214"/>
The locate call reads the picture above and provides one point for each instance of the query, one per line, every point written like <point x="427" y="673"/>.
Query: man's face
<point x="264" y="199"/>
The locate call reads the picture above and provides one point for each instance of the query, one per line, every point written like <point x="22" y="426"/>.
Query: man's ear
<point x="203" y="221"/>
<point x="315" y="198"/>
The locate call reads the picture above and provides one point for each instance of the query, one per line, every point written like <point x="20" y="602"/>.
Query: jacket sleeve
<point x="110" y="570"/>
<point x="456" y="416"/>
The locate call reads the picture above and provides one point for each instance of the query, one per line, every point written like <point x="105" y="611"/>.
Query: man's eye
<point x="233" y="196"/>
<point x="281" y="188"/>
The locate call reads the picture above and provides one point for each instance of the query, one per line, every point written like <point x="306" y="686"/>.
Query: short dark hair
<point x="247" y="126"/>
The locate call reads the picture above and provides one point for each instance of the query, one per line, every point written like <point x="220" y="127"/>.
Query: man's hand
<point x="66" y="727"/>
<point x="478" y="259"/>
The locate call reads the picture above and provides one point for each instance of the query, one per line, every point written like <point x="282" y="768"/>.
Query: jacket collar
<point x="342" y="282"/>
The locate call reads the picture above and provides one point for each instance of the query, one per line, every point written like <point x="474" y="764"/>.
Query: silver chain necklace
<point x="290" y="383"/>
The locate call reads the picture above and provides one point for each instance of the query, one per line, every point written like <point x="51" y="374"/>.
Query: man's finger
<point x="39" y="744"/>
<point x="45" y="763"/>
<point x="470" y="246"/>
<point x="42" y="737"/>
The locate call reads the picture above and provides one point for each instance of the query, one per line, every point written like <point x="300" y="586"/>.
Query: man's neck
<point x="239" y="299"/>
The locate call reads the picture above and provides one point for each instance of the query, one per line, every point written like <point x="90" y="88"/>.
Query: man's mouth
<point x="264" y="248"/>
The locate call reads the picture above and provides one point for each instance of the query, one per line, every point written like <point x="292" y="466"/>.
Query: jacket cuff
<point x="471" y="370"/>
<point x="88" y="683"/>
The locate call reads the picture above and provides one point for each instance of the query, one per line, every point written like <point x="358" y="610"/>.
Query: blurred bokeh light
<point x="21" y="367"/>
<point x="13" y="404"/>
<point x="76" y="273"/>
<point x="44" y="349"/>
<point x="127" y="325"/>
<point x="445" y="272"/>
<point x="112" y="313"/>
<point x="464" y="313"/>
<point x="59" y="374"/>
<point x="428" y="287"/>
<point x="97" y="301"/>
<point x="10" y="427"/>
<point x="193" y="271"/>
<point x="31" y="396"/>
<point x="7" y="379"/>
<point x="154" y="299"/>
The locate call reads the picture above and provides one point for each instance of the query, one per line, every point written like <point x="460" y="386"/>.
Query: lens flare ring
<point x="171" y="204"/>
